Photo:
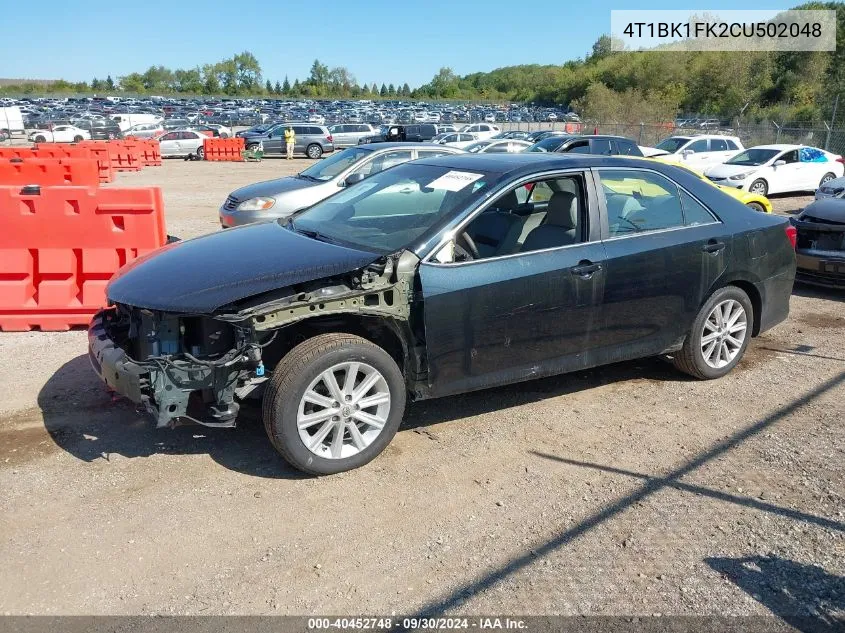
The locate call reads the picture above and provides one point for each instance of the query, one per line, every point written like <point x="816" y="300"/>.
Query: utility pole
<point x="832" y="122"/>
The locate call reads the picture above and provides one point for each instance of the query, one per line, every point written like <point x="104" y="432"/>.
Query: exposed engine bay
<point x="197" y="368"/>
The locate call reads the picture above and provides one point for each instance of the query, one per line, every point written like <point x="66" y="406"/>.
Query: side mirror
<point x="687" y="152"/>
<point x="353" y="179"/>
<point x="778" y="163"/>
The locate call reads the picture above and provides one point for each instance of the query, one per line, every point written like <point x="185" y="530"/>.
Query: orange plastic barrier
<point x="124" y="155"/>
<point x="80" y="172"/>
<point x="220" y="149"/>
<point x="150" y="152"/>
<point x="97" y="151"/>
<point x="60" y="246"/>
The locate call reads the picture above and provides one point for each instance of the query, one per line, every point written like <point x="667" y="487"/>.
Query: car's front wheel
<point x="200" y="153"/>
<point x="756" y="206"/>
<point x="759" y="186"/>
<point x="719" y="336"/>
<point x="40" y="139"/>
<point x="77" y="139"/>
<point x="334" y="402"/>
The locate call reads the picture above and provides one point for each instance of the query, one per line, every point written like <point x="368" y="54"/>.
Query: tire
<point x="78" y="139"/>
<point x="111" y="136"/>
<point x="301" y="371"/>
<point x="756" y="206"/>
<point x="691" y="358"/>
<point x="827" y="178"/>
<point x="759" y="186"/>
<point x="200" y="153"/>
<point x="314" y="151"/>
<point x="224" y="135"/>
<point x="40" y="139"/>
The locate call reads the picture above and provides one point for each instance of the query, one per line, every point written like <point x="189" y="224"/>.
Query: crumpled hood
<point x="273" y="188"/>
<point x="827" y="210"/>
<point x="201" y="275"/>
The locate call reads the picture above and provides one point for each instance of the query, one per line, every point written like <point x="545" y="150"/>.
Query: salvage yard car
<point x="281" y="197"/>
<point x="437" y="277"/>
<point x="820" y="248"/>
<point x="769" y="169"/>
<point x="60" y="134"/>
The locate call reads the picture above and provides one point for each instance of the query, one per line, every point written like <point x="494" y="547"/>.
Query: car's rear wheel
<point x="759" y="186"/>
<point x="200" y="153"/>
<point x="314" y="151"/>
<point x="111" y="136"/>
<point x="719" y="336"/>
<point x="756" y="206"/>
<point x="334" y="403"/>
<point x="40" y="139"/>
<point x="78" y="139"/>
<point x="827" y="178"/>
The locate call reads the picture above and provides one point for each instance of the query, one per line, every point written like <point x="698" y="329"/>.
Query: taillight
<point x="839" y="159"/>
<point x="791" y="234"/>
<point x="330" y="139"/>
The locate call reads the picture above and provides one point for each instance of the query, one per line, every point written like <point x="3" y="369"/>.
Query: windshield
<point x="550" y="144"/>
<point x="390" y="210"/>
<point x="672" y="144"/>
<point x="753" y="157"/>
<point x="328" y="168"/>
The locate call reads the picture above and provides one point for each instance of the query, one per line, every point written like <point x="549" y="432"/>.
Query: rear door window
<point x="640" y="201"/>
<point x="601" y="146"/>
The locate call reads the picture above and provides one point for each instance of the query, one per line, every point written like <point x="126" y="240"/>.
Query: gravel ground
<point x="623" y="490"/>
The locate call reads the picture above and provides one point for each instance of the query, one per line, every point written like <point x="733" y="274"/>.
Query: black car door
<point x="523" y="311"/>
<point x="665" y="250"/>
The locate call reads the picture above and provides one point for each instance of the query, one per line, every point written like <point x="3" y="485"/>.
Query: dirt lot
<point x="624" y="490"/>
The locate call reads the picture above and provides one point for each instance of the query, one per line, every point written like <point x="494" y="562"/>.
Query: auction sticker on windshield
<point x="454" y="180"/>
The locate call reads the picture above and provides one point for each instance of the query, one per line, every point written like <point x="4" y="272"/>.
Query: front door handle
<point x="585" y="269"/>
<point x="713" y="246"/>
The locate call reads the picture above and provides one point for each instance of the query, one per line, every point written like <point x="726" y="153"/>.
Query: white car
<point x="144" y="130"/>
<point x="769" y="169"/>
<point x="699" y="152"/>
<point x="455" y="139"/>
<point x="182" y="143"/>
<point x="222" y="130"/>
<point x="60" y="134"/>
<point x="497" y="146"/>
<point x="481" y="130"/>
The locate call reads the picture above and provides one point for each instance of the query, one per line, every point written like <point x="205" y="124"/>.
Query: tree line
<point x="607" y="86"/>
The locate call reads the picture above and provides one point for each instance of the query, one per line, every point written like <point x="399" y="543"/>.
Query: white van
<point x="126" y="121"/>
<point x="11" y="121"/>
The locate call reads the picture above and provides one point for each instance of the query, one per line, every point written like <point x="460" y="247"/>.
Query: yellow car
<point x="753" y="200"/>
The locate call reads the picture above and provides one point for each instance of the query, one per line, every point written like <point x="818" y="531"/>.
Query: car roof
<point x="517" y="164"/>
<point x="780" y="148"/>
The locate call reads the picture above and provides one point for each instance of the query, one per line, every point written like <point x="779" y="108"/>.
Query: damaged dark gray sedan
<point x="438" y="277"/>
<point x="821" y="243"/>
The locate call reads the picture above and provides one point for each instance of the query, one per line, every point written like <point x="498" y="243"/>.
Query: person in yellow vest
<point x="290" y="142"/>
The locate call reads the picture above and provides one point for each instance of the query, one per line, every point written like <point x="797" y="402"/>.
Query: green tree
<point x="383" y="91"/>
<point x="319" y="75"/>
<point x="297" y="88"/>
<point x="268" y="87"/>
<point x="95" y="84"/>
<point x="285" y="86"/>
<point x="132" y="83"/>
<point x="374" y="89"/>
<point x="248" y="72"/>
<point x="277" y="89"/>
<point x="110" y="84"/>
<point x="391" y="90"/>
<point x="406" y="90"/>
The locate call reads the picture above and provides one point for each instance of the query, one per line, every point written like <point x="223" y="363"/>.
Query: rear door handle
<point x="713" y="246"/>
<point x="585" y="269"/>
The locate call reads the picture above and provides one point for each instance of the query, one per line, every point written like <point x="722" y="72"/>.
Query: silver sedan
<point x="281" y="197"/>
<point x="182" y="143"/>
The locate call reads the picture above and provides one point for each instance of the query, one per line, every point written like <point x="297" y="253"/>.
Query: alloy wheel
<point x="343" y="410"/>
<point x="724" y="333"/>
